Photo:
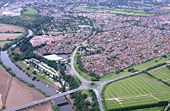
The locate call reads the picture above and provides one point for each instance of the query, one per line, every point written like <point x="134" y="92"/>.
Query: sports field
<point x="162" y="73"/>
<point x="138" y="90"/>
<point x="152" y="109"/>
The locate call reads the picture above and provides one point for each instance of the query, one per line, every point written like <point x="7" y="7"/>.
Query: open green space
<point x="132" y="12"/>
<point x="138" y="90"/>
<point x="152" y="109"/>
<point x="162" y="73"/>
<point x="93" y="85"/>
<point x="29" y="11"/>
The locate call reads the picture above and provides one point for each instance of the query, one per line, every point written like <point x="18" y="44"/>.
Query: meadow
<point x="138" y="90"/>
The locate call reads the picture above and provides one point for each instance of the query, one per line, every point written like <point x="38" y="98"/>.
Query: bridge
<point x="83" y="87"/>
<point x="46" y="99"/>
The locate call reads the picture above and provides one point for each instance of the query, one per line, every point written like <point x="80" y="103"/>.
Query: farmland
<point x="5" y="81"/>
<point x="138" y="90"/>
<point x="10" y="91"/>
<point x="9" y="33"/>
<point x="162" y="73"/>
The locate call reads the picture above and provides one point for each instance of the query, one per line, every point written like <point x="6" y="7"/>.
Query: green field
<point x="132" y="12"/>
<point x="93" y="85"/>
<point x="152" y="109"/>
<point x="29" y="11"/>
<point x="138" y="90"/>
<point x="162" y="73"/>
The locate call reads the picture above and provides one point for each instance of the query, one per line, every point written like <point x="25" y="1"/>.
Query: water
<point x="38" y="84"/>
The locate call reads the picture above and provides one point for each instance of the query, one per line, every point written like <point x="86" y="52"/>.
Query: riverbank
<point x="11" y="89"/>
<point x="37" y="84"/>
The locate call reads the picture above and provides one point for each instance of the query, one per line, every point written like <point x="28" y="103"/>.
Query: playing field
<point x="138" y="90"/>
<point x="162" y="73"/>
<point x="152" y="109"/>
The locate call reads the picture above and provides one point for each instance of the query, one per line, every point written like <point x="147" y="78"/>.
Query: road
<point x="46" y="99"/>
<point x="84" y="83"/>
<point x="84" y="86"/>
<point x="167" y="108"/>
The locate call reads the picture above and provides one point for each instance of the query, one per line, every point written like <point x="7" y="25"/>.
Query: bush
<point x="55" y="107"/>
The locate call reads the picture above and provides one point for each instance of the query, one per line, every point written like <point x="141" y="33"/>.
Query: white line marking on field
<point x="155" y="97"/>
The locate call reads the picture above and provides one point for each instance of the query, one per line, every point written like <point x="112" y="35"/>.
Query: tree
<point x="55" y="107"/>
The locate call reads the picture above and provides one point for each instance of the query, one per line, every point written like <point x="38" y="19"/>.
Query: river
<point x="38" y="84"/>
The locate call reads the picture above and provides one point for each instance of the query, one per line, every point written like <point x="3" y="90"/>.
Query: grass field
<point x="152" y="109"/>
<point x="93" y="85"/>
<point x="132" y="12"/>
<point x="162" y="73"/>
<point x="138" y="90"/>
<point x="30" y="11"/>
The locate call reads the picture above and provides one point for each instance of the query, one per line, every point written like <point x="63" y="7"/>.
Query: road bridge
<point x="46" y="99"/>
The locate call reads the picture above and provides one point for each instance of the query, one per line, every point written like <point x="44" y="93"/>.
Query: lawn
<point x="152" y="109"/>
<point x="29" y="11"/>
<point x="162" y="73"/>
<point x="138" y="90"/>
<point x="93" y="85"/>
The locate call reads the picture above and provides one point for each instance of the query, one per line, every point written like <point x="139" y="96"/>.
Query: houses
<point x="124" y="46"/>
